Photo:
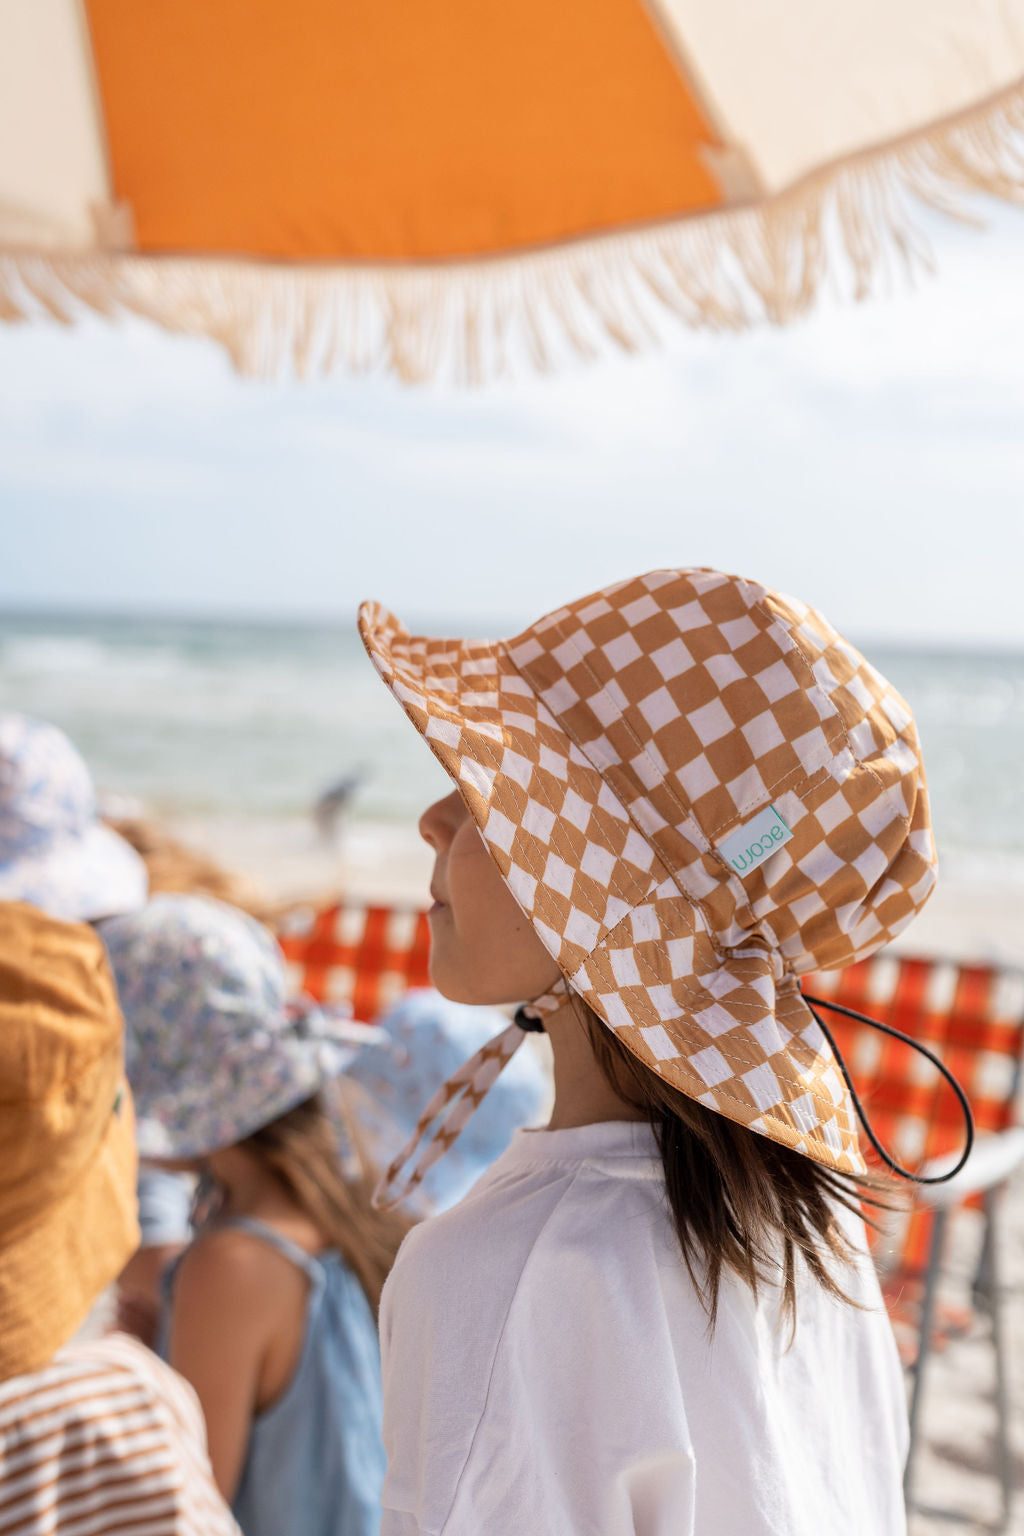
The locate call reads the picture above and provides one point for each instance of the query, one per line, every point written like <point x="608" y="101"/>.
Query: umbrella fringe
<point x="475" y="321"/>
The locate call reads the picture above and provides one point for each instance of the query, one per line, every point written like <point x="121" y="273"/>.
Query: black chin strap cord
<point x="530" y="1022"/>
<point x="814" y="1003"/>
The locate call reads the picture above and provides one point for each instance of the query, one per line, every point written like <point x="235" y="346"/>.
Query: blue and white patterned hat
<point x="54" y="853"/>
<point x="213" y="1048"/>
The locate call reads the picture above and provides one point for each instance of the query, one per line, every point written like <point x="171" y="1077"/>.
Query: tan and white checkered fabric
<point x="609" y="750"/>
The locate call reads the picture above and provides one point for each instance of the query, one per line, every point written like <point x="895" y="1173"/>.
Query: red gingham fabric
<point x="366" y="956"/>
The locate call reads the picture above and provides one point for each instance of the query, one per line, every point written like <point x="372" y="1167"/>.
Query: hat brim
<point x="730" y="1031"/>
<point x="79" y="879"/>
<point x="52" y="1272"/>
<point x="194" y="1118"/>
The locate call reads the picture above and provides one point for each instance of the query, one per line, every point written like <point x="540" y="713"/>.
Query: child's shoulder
<point x="483" y="1242"/>
<point x="234" y="1266"/>
<point x="225" y="1243"/>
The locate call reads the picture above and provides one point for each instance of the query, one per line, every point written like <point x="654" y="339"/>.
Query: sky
<point x="869" y="460"/>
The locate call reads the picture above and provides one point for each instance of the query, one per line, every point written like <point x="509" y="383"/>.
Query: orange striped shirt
<point x="106" y="1439"/>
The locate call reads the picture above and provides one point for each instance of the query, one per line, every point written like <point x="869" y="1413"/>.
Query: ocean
<point x="250" y="722"/>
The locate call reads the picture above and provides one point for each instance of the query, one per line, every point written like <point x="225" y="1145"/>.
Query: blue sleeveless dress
<point x="315" y="1460"/>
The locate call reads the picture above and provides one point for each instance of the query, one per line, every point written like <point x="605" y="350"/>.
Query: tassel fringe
<point x="476" y="321"/>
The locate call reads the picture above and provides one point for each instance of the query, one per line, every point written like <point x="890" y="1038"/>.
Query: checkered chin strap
<point x="460" y="1097"/>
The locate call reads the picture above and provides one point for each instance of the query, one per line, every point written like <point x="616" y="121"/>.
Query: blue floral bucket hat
<point x="214" y="1049"/>
<point x="54" y="852"/>
<point x="429" y="1038"/>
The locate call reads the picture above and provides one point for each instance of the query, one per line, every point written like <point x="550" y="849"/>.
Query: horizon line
<point x="473" y="625"/>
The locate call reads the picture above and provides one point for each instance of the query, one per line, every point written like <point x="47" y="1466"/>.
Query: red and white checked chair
<point x="366" y="956"/>
<point x="972" y="1016"/>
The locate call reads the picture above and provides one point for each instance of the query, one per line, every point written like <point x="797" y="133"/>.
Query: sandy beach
<point x="956" y="1486"/>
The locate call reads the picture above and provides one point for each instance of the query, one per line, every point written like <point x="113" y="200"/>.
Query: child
<point x="95" y="1434"/>
<point x="56" y="854"/>
<point x="272" y="1309"/>
<point x="657" y="1316"/>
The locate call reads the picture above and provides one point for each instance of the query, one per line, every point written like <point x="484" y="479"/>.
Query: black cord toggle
<point x="526" y="1021"/>
<point x="814" y="1003"/>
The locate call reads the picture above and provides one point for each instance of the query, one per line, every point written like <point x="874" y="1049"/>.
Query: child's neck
<point x="583" y="1095"/>
<point x="250" y="1189"/>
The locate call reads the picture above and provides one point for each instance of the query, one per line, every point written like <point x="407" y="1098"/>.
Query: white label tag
<point x="748" y="847"/>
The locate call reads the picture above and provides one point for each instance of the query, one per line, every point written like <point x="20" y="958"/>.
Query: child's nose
<point x="438" y="823"/>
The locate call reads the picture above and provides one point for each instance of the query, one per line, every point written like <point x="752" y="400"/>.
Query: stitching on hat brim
<point x="788" y="1134"/>
<point x="705" y="998"/>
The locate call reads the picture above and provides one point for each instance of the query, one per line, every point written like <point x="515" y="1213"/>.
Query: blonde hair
<point x="300" y="1149"/>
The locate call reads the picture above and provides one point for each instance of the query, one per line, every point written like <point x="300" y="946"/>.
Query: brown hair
<point x="300" y="1149"/>
<point x="738" y="1201"/>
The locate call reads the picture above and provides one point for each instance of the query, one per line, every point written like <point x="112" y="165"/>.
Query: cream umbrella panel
<point x="455" y="186"/>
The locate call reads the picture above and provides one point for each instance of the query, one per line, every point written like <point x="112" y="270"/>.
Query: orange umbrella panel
<point x="408" y="185"/>
<point x="393" y="132"/>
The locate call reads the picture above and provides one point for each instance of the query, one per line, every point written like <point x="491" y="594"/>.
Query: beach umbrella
<point x="459" y="184"/>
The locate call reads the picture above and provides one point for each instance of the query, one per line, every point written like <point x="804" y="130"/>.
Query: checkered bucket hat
<point x="697" y="791"/>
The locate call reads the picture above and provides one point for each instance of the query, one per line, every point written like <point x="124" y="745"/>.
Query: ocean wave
<point x="51" y="653"/>
<point x="27" y="656"/>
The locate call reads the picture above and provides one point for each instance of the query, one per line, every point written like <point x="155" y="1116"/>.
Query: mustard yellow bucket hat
<point x="697" y="791"/>
<point x="67" y="1137"/>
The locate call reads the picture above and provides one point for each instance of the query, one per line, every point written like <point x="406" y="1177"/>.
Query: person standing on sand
<point x="657" y="1317"/>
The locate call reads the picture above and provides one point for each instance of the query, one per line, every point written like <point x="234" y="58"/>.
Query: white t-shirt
<point x="548" y="1370"/>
